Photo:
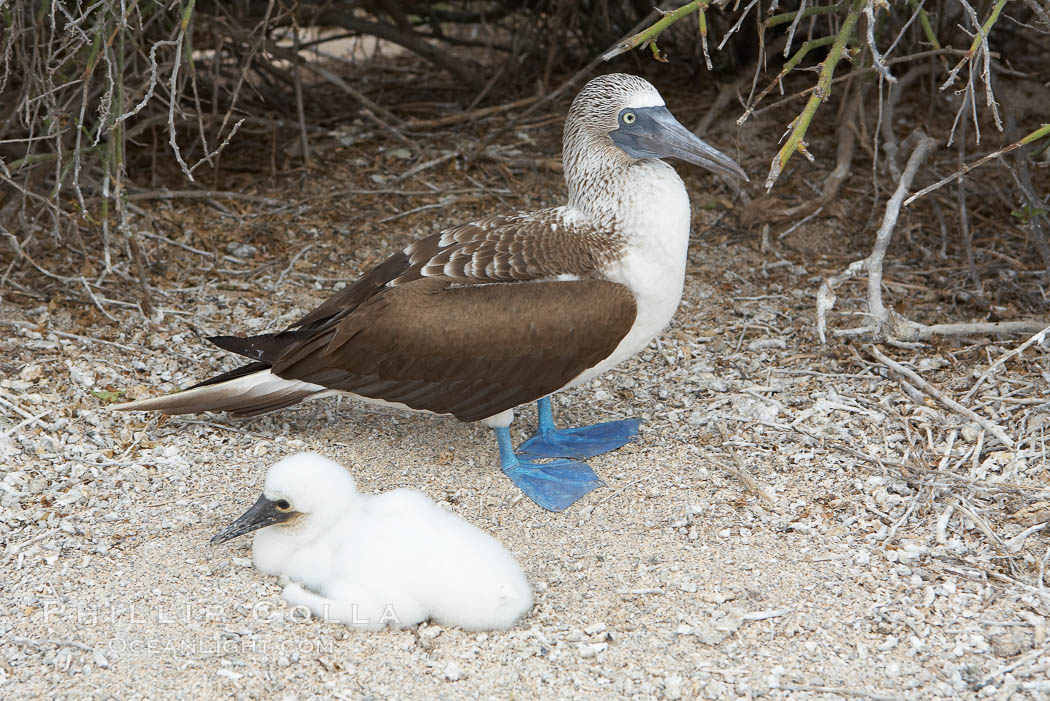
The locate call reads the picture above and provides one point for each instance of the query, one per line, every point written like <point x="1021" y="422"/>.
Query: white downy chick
<point x="369" y="562"/>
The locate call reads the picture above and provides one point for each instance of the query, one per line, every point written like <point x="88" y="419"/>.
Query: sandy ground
<point x="759" y="540"/>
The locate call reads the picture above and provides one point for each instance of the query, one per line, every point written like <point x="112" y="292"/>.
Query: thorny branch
<point x="649" y="35"/>
<point x="795" y="142"/>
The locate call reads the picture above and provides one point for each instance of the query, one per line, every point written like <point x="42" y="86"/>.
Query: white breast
<point x="655" y="221"/>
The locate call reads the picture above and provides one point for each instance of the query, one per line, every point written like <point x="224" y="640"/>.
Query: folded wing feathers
<point x="498" y="249"/>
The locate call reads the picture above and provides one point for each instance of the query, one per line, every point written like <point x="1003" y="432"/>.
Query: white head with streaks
<point x="615" y="122"/>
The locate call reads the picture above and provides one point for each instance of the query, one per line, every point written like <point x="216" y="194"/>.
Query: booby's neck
<point x="614" y="191"/>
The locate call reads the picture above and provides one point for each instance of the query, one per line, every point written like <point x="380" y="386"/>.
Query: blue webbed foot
<point x="554" y="485"/>
<point x="582" y="442"/>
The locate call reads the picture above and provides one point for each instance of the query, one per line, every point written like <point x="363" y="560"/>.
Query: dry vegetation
<point x="104" y="103"/>
<point x="861" y="351"/>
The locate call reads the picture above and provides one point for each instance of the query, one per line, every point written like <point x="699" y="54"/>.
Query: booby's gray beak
<point x="263" y="513"/>
<point x="653" y="132"/>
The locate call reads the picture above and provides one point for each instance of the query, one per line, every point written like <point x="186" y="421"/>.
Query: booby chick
<point x="483" y="317"/>
<point x="395" y="559"/>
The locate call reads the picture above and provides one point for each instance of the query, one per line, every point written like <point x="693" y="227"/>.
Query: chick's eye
<point x="283" y="505"/>
<point x="628" y="118"/>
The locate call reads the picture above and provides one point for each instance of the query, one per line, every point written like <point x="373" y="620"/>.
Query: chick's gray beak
<point x="263" y="513"/>
<point x="655" y="133"/>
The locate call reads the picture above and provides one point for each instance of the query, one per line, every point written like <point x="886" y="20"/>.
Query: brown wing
<point x="532" y="246"/>
<point x="471" y="351"/>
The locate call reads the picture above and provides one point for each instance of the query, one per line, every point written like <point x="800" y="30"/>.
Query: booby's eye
<point x="628" y="118"/>
<point x="283" y="505"/>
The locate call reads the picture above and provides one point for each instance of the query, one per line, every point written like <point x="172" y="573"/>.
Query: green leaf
<point x="107" y="396"/>
<point x="1026" y="213"/>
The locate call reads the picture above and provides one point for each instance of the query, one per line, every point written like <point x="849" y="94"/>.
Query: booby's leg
<point x="553" y="485"/>
<point x="582" y="442"/>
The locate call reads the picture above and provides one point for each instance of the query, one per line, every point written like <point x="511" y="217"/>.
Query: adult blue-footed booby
<point x="483" y="317"/>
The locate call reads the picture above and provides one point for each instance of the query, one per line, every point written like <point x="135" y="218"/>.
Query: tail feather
<point x="242" y="395"/>
<point x="265" y="347"/>
<point x="248" y="369"/>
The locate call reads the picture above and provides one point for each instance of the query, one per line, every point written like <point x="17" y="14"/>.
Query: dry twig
<point x="944" y="399"/>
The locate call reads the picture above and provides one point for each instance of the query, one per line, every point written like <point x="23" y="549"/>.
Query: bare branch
<point x="173" y="88"/>
<point x="876" y="57"/>
<point x="881" y="316"/>
<point x="1034" y="136"/>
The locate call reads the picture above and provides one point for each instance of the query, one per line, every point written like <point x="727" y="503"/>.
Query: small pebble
<point x="673" y="687"/>
<point x="241" y="250"/>
<point x="764" y="343"/>
<point x="888" y="644"/>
